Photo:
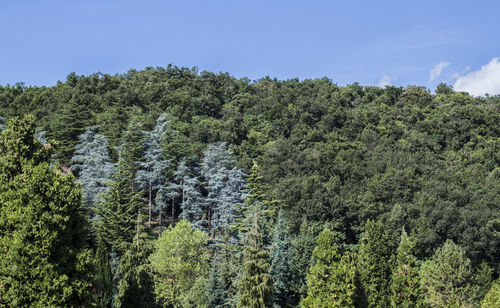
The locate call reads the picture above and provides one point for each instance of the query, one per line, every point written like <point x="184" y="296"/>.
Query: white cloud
<point x="480" y="82"/>
<point x="385" y="81"/>
<point x="438" y="69"/>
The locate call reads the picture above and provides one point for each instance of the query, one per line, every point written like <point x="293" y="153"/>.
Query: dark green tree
<point x="256" y="284"/>
<point x="45" y="260"/>
<point x="374" y="264"/>
<point x="136" y="287"/>
<point x="282" y="257"/>
<point x="117" y="214"/>
<point x="103" y="279"/>
<point x="216" y="293"/>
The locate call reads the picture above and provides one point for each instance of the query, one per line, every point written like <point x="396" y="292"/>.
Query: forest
<point x="170" y="187"/>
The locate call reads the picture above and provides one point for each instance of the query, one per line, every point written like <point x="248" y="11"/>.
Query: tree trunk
<point x="150" y="205"/>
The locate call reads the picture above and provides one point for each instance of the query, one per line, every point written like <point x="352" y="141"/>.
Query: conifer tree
<point x="331" y="280"/>
<point x="94" y="167"/>
<point x="131" y="149"/>
<point x="285" y="293"/>
<point x="405" y="286"/>
<point x="136" y="287"/>
<point x="117" y="213"/>
<point x="103" y="280"/>
<point x="191" y="198"/>
<point x="225" y="186"/>
<point x="69" y="123"/>
<point x="151" y="177"/>
<point x="445" y="278"/>
<point x="44" y="257"/>
<point x="256" y="284"/>
<point x="216" y="293"/>
<point x="374" y="264"/>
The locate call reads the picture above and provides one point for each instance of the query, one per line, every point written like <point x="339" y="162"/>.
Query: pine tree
<point x="136" y="287"/>
<point x="103" y="281"/>
<point x="405" y="286"/>
<point x="374" y="264"/>
<point x="445" y="278"/>
<point x="256" y="284"/>
<point x="43" y="242"/>
<point x="131" y="149"/>
<point x="94" y="167"/>
<point x="117" y="213"/>
<point x="151" y="176"/>
<point x="69" y="123"/>
<point x="216" y="293"/>
<point x="331" y="280"/>
<point x="282" y="257"/>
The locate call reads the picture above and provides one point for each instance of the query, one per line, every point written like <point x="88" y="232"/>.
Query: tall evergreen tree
<point x="405" y="285"/>
<point x="331" y="280"/>
<point x="256" y="284"/>
<point x="94" y="167"/>
<point x="285" y="287"/>
<point x="136" y="287"/>
<point x="191" y="199"/>
<point x="43" y="242"/>
<point x="103" y="280"/>
<point x="225" y="186"/>
<point x="446" y="277"/>
<point x="216" y="293"/>
<point x="152" y="174"/>
<point x="374" y="264"/>
<point x="492" y="298"/>
<point x="117" y="213"/>
<point x="131" y="149"/>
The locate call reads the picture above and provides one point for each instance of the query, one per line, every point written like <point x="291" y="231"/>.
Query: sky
<point x="371" y="42"/>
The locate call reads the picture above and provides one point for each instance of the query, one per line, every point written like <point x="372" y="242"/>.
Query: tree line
<point x="177" y="188"/>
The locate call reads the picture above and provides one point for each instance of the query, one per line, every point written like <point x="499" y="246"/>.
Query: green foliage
<point x="282" y="257"/>
<point x="117" y="213"/>
<point x="405" y="285"/>
<point x="446" y="278"/>
<point x="331" y="281"/>
<point x="136" y="287"/>
<point x="374" y="264"/>
<point x="178" y="260"/>
<point x="215" y="287"/>
<point x="103" y="279"/>
<point x="196" y="297"/>
<point x="256" y="284"/>
<point x="44" y="260"/>
<point x="492" y="298"/>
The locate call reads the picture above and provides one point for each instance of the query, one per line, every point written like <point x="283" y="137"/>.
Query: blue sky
<point x="370" y="42"/>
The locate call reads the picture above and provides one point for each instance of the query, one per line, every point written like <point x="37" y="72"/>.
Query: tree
<point x="331" y="280"/>
<point x="282" y="257"/>
<point x="225" y="186"/>
<point x="103" y="280"/>
<point x="196" y="297"/>
<point x="256" y="284"/>
<point x="215" y="288"/>
<point x="492" y="298"/>
<point x="445" y="277"/>
<point x="178" y="260"/>
<point x="136" y="287"/>
<point x="191" y="198"/>
<point x="151" y="176"/>
<point x="405" y="286"/>
<point x="374" y="264"/>
<point x="117" y="213"/>
<point x="45" y="260"/>
<point x="94" y="167"/>
<point x="131" y="149"/>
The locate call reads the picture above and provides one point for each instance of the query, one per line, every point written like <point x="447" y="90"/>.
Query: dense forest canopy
<point x="393" y="178"/>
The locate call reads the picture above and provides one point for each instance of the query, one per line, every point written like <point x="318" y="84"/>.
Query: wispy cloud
<point x="437" y="70"/>
<point x="482" y="81"/>
<point x="385" y="81"/>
